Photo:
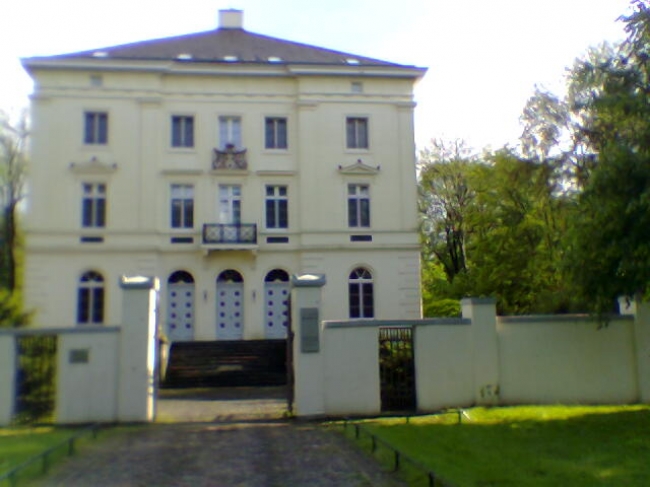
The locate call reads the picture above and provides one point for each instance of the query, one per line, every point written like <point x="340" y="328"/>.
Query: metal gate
<point x="35" y="378"/>
<point x="397" y="369"/>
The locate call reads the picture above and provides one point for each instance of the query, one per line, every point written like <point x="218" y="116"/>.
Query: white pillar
<point x="7" y="376"/>
<point x="642" y="342"/>
<point x="136" y="392"/>
<point x="309" y="386"/>
<point x="485" y="348"/>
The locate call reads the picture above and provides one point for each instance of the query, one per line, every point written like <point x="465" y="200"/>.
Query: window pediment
<point x="93" y="166"/>
<point x="359" y="168"/>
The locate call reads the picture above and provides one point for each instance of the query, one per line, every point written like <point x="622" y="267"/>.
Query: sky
<point x="484" y="57"/>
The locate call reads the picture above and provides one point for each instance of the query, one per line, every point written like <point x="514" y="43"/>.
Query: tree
<point x="13" y="161"/>
<point x="444" y="197"/>
<point x="610" y="243"/>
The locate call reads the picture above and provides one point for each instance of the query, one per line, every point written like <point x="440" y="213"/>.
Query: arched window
<point x="277" y="275"/>
<point x="90" y="299"/>
<point x="361" y="294"/>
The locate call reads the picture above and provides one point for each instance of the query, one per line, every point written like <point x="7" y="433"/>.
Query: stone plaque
<point x="309" y="335"/>
<point x="79" y="356"/>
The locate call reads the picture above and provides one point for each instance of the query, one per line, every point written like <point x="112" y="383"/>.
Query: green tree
<point x="610" y="243"/>
<point x="13" y="161"/>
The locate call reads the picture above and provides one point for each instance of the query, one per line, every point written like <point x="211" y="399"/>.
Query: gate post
<point x="642" y="348"/>
<point x="136" y="357"/>
<point x="485" y="348"/>
<point x="7" y="376"/>
<point x="309" y="386"/>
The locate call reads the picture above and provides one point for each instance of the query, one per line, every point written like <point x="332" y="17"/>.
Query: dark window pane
<point x="103" y="129"/>
<point x="189" y="132"/>
<point x="98" y="305"/>
<point x="270" y="134"/>
<point x="362" y="134"/>
<point x="82" y="305"/>
<point x="176" y="131"/>
<point x="283" y="214"/>
<point x="270" y="214"/>
<point x="86" y="212"/>
<point x="282" y="134"/>
<point x="365" y="213"/>
<point x="351" y="139"/>
<point x="88" y="128"/>
<point x="368" y="301"/>
<point x="353" y="290"/>
<point x="100" y="205"/>
<point x="352" y="213"/>
<point x="189" y="213"/>
<point x="176" y="213"/>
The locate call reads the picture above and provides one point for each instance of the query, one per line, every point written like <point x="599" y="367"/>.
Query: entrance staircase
<point x="226" y="364"/>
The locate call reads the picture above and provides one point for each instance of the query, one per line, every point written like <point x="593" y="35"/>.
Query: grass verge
<point x="526" y="446"/>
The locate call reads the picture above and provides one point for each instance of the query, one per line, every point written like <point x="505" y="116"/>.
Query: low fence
<point x="415" y="472"/>
<point x="40" y="464"/>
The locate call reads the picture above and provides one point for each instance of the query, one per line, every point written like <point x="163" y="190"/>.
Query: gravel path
<point x="247" y="444"/>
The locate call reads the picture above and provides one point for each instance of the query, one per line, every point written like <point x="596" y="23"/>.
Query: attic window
<point x="352" y="61"/>
<point x="356" y="87"/>
<point x="100" y="54"/>
<point x="274" y="59"/>
<point x="184" y="57"/>
<point x="230" y="59"/>
<point x="96" y="80"/>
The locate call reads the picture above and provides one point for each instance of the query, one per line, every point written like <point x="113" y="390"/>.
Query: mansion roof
<point x="226" y="46"/>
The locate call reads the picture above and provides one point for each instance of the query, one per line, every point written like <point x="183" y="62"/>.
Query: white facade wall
<point x="138" y="165"/>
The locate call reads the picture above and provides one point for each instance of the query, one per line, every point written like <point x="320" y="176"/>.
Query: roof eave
<point x="221" y="68"/>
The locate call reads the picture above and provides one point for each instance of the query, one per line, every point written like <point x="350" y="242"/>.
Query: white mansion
<point x="221" y="162"/>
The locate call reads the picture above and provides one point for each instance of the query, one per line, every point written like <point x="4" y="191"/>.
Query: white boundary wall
<point x="480" y="359"/>
<point x="104" y="374"/>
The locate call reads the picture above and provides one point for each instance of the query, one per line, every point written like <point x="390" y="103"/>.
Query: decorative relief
<point x="230" y="158"/>
<point x="93" y="166"/>
<point x="359" y="167"/>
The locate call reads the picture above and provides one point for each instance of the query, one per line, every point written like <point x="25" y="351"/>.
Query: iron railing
<point x="229" y="233"/>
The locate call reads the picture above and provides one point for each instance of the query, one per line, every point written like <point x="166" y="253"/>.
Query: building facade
<point x="221" y="162"/>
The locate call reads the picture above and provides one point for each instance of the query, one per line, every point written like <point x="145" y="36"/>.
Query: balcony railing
<point x="229" y="233"/>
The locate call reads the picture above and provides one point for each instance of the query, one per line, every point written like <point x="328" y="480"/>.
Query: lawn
<point x="19" y="444"/>
<point x="528" y="446"/>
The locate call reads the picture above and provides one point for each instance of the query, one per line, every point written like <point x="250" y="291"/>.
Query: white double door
<point x="276" y="309"/>
<point x="230" y="310"/>
<point x="180" y="312"/>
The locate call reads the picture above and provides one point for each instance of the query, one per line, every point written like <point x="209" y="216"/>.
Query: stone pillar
<point x="485" y="348"/>
<point x="7" y="375"/>
<point x="136" y="367"/>
<point x="309" y="386"/>
<point x="642" y="346"/>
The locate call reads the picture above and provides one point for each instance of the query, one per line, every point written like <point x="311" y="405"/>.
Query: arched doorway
<point x="180" y="307"/>
<point x="230" y="305"/>
<point x="276" y="304"/>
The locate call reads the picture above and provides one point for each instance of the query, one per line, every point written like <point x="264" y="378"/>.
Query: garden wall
<point x="480" y="359"/>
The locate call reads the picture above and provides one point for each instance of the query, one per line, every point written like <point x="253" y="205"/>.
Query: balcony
<point x="229" y="236"/>
<point x="229" y="159"/>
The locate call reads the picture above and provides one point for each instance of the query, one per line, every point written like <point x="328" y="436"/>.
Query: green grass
<point x="528" y="446"/>
<point x="19" y="444"/>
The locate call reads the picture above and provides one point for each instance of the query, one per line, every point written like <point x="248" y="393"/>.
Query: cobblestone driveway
<point x="246" y="444"/>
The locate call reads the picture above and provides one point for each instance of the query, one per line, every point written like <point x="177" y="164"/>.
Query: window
<point x="357" y="133"/>
<point x="229" y="203"/>
<point x="361" y="294"/>
<point x="358" y="205"/>
<point x="96" y="128"/>
<point x="230" y="132"/>
<point x="276" y="133"/>
<point x="93" y="205"/>
<point x="277" y="207"/>
<point x="90" y="299"/>
<point x="182" y="206"/>
<point x="182" y="131"/>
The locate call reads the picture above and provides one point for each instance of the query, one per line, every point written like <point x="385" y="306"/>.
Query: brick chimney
<point x="231" y="19"/>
